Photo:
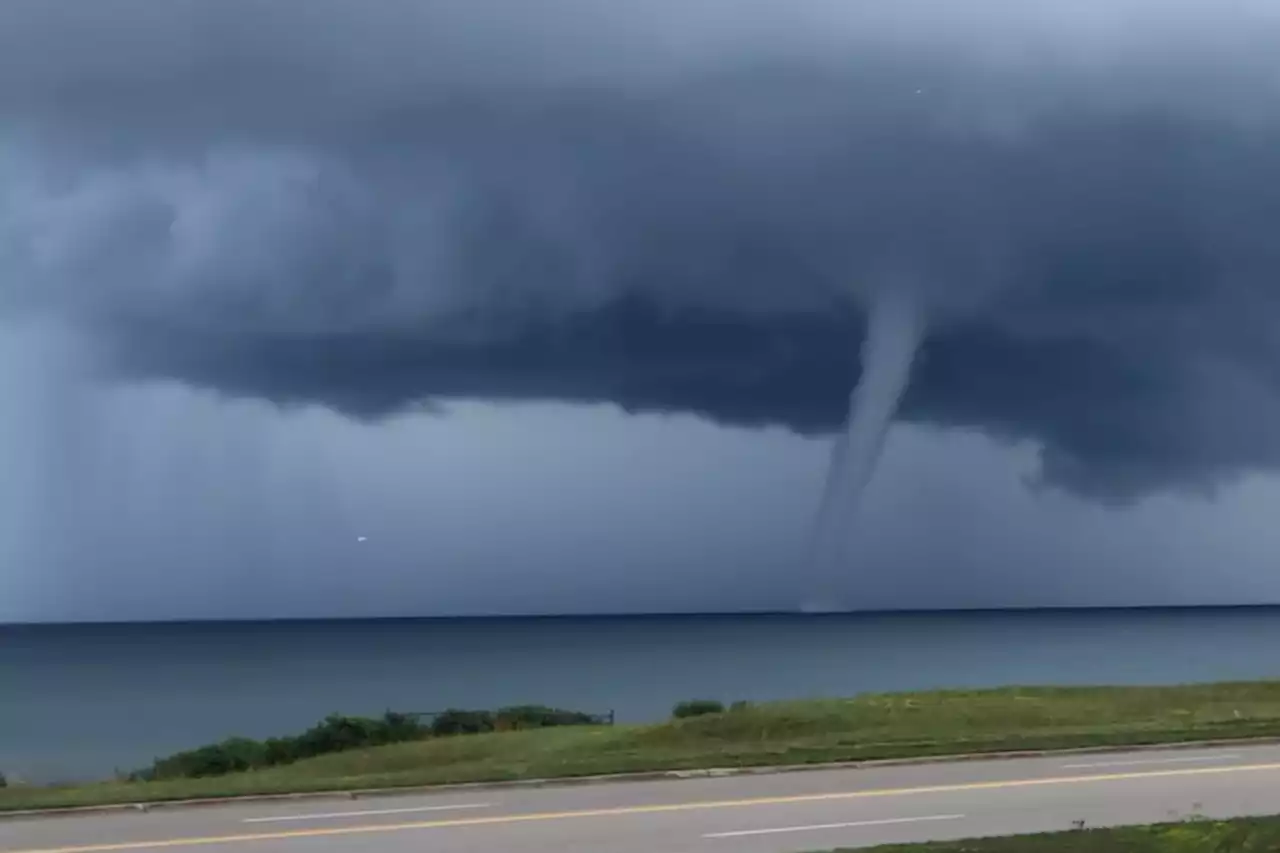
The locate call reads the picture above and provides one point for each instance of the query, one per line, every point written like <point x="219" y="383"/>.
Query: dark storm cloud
<point x="671" y="207"/>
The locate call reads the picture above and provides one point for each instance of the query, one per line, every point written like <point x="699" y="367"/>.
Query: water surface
<point x="83" y="700"/>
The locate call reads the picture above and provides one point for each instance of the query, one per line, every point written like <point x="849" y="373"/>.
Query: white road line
<point x="821" y="826"/>
<point x="365" y="813"/>
<point x="1137" y="763"/>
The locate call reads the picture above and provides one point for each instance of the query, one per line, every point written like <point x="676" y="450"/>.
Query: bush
<point x="458" y="722"/>
<point x="4" y="783"/>
<point x="280" y="750"/>
<point x="334" y="733"/>
<point x="337" y="733"/>
<point x="229" y="756"/>
<point x="740" y="705"/>
<point x="539" y="717"/>
<point x="697" y="708"/>
<point x="461" y="722"/>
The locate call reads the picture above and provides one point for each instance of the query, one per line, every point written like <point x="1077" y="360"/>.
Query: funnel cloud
<point x="895" y="328"/>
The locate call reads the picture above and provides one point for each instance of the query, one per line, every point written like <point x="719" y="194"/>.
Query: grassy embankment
<point x="867" y="727"/>
<point x="1251" y="835"/>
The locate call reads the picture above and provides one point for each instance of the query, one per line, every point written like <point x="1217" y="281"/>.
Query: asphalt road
<point x="779" y="813"/>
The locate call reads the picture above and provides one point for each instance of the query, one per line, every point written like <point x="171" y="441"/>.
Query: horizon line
<point x="646" y="615"/>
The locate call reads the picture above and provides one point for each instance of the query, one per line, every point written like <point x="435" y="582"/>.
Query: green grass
<point x="1250" y="835"/>
<point x="867" y="727"/>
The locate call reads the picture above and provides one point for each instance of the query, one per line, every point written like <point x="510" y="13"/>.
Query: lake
<point x="83" y="700"/>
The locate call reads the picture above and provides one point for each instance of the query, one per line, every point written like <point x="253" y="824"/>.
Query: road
<point x="777" y="813"/>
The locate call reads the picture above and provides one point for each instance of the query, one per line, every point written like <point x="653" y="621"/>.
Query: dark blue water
<point x="83" y="700"/>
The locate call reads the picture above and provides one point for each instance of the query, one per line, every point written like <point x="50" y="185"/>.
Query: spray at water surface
<point x="895" y="329"/>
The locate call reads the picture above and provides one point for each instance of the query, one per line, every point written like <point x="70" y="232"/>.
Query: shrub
<point x="334" y="733"/>
<point x="697" y="708"/>
<point x="4" y="783"/>
<point x="229" y="756"/>
<point x="281" y="750"/>
<point x="459" y="722"/>
<point x="539" y="717"/>
<point x="740" y="705"/>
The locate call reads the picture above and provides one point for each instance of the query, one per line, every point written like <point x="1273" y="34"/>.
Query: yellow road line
<point x="620" y="811"/>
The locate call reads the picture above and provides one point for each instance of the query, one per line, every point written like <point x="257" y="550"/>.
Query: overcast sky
<point x="312" y="307"/>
